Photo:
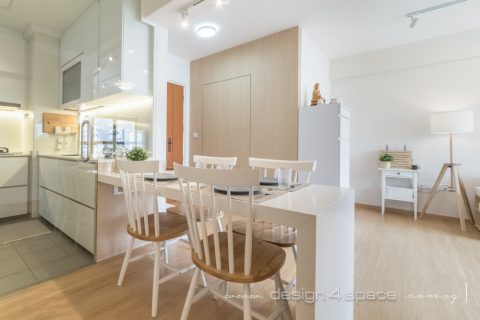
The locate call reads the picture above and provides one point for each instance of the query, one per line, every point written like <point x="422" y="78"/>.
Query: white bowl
<point x="477" y="191"/>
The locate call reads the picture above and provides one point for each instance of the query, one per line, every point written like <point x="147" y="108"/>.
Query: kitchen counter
<point x="64" y="157"/>
<point x="14" y="155"/>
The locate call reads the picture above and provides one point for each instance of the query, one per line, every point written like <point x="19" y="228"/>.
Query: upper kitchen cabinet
<point x="122" y="50"/>
<point x="12" y="68"/>
<point x="79" y="59"/>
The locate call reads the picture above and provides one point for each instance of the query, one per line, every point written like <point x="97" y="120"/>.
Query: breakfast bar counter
<point x="324" y="219"/>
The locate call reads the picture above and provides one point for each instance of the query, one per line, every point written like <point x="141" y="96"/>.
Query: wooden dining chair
<point x="207" y="162"/>
<point x="147" y="224"/>
<point x="227" y="256"/>
<point x="281" y="236"/>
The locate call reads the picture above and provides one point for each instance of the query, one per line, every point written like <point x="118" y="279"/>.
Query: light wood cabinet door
<point x="226" y="119"/>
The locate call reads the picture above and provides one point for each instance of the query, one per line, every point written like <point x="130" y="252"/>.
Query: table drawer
<point x="399" y="174"/>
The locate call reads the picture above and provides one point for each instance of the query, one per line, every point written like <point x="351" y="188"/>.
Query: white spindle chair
<point x="207" y="162"/>
<point x="146" y="223"/>
<point x="227" y="256"/>
<point x="282" y="236"/>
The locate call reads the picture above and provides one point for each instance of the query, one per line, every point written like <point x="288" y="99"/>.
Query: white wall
<point x="392" y="92"/>
<point x="314" y="67"/>
<point x="178" y="72"/>
<point x="160" y="92"/>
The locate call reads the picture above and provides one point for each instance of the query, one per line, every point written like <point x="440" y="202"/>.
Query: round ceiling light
<point x="206" y="31"/>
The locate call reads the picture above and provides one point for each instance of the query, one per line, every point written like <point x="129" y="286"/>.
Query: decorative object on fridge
<point x="317" y="96"/>
<point x="137" y="154"/>
<point x="452" y="122"/>
<point x="385" y="160"/>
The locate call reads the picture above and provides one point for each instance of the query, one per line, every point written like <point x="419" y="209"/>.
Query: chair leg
<point x="203" y="281"/>
<point x="128" y="255"/>
<point x="165" y="251"/>
<point x="191" y="292"/>
<point x="279" y="286"/>
<point x="294" y="250"/>
<point x="247" y="307"/>
<point x="156" y="275"/>
<point x="219" y="225"/>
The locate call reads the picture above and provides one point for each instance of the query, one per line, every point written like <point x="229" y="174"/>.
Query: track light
<point x="184" y="18"/>
<point x="414" y="22"/>
<point x="413" y="15"/>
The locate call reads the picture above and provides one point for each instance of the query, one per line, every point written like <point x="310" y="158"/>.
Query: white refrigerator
<point x="324" y="135"/>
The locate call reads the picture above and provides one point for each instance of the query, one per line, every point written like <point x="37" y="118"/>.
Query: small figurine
<point x="317" y="97"/>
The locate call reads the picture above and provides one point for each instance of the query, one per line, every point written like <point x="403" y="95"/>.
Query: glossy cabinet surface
<point x="68" y="197"/>
<point x="14" y="171"/>
<point x="72" y="179"/>
<point x="13" y="201"/>
<point x="114" y="47"/>
<point x="13" y="186"/>
<point x="74" y="219"/>
<point x="79" y="44"/>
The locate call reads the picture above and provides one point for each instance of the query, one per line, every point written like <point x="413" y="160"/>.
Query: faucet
<point x="4" y="150"/>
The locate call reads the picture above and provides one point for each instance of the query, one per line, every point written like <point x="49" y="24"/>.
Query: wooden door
<point x="174" y="124"/>
<point x="226" y="119"/>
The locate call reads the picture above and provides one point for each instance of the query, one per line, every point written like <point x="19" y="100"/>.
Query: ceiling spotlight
<point x="206" y="31"/>
<point x="413" y="15"/>
<point x="184" y="18"/>
<point x="414" y="21"/>
<point x="219" y="3"/>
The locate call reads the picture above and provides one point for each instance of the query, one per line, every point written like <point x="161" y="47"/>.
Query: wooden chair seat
<point x="171" y="226"/>
<point x="181" y="211"/>
<point x="281" y="236"/>
<point x="267" y="259"/>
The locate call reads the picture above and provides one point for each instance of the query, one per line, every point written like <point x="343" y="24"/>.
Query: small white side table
<point x="400" y="192"/>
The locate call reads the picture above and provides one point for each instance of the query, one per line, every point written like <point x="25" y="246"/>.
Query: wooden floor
<point x="393" y="253"/>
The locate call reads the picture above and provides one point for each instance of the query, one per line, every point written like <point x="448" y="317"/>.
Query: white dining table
<point x="325" y="221"/>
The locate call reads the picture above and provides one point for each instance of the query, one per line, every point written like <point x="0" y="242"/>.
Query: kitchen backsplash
<point x="16" y="130"/>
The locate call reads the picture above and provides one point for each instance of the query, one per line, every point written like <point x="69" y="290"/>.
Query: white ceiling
<point x="53" y="14"/>
<point x="340" y="27"/>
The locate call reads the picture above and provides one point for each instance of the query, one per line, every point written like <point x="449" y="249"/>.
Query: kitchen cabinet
<point x="13" y="186"/>
<point x="68" y="197"/>
<point x="115" y="50"/>
<point x="79" y="58"/>
<point x="13" y="78"/>
<point x="75" y="220"/>
<point x="125" y="49"/>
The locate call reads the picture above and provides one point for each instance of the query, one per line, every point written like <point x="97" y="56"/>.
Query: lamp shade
<point x="452" y="122"/>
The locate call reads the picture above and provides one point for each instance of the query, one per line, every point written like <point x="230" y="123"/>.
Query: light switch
<point x="195" y="135"/>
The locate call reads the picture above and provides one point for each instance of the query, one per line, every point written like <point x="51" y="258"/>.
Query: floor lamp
<point x="451" y="123"/>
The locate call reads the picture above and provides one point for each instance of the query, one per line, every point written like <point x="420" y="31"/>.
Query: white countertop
<point x="399" y="169"/>
<point x="310" y="200"/>
<point x="14" y="154"/>
<point x="64" y="157"/>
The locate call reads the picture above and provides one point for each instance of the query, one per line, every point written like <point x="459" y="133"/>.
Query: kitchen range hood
<point x="9" y="106"/>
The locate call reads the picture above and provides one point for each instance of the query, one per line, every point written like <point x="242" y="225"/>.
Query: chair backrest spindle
<point x="136" y="194"/>
<point x="206" y="162"/>
<point x="296" y="166"/>
<point x="197" y="187"/>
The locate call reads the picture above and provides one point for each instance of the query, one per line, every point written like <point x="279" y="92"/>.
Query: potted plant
<point x="137" y="154"/>
<point x="385" y="160"/>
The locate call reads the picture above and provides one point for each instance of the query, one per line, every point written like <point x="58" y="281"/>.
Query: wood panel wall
<point x="272" y="64"/>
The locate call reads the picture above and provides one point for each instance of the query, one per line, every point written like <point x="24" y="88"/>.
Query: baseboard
<point x="402" y="211"/>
